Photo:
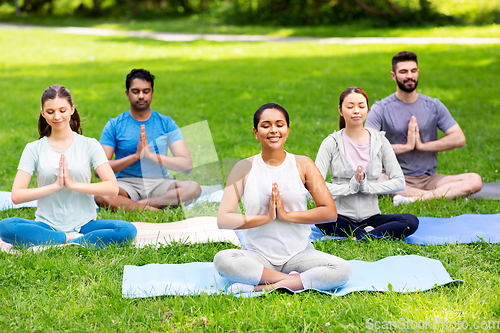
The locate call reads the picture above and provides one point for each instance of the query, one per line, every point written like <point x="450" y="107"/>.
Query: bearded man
<point x="411" y="120"/>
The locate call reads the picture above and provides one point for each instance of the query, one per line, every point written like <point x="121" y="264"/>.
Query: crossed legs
<point x="177" y="192"/>
<point x="180" y="191"/>
<point x="449" y="187"/>
<point x="96" y="233"/>
<point x="307" y="269"/>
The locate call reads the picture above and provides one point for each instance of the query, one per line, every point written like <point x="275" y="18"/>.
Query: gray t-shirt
<point x="64" y="210"/>
<point x="392" y="116"/>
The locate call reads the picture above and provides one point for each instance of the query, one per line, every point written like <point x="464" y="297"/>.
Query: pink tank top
<point x="356" y="154"/>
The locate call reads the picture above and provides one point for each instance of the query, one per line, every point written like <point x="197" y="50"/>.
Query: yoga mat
<point x="467" y="228"/>
<point x="489" y="191"/>
<point x="410" y="273"/>
<point x="209" y="193"/>
<point x="194" y="230"/>
<point x="201" y="229"/>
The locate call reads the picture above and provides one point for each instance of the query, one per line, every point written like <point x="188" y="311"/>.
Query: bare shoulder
<point x="303" y="160"/>
<point x="240" y="171"/>
<point x="244" y="165"/>
<point x="306" y="167"/>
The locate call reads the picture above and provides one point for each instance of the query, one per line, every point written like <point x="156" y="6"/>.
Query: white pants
<point x="317" y="269"/>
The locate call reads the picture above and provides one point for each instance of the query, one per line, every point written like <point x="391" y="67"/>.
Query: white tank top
<point x="277" y="240"/>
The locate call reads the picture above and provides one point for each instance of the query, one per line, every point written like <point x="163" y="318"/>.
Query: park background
<point x="78" y="289"/>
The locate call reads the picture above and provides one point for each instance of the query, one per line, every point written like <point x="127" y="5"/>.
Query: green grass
<point x="210" y="25"/>
<point x="78" y="289"/>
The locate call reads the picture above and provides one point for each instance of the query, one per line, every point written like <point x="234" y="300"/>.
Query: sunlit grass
<point x="208" y="25"/>
<point x="78" y="289"/>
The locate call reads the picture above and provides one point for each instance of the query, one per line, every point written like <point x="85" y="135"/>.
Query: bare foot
<point x="146" y="205"/>
<point x="72" y="235"/>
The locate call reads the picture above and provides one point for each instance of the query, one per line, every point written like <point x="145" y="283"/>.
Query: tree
<point x="374" y="11"/>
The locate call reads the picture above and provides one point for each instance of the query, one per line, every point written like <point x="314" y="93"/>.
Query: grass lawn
<point x="78" y="289"/>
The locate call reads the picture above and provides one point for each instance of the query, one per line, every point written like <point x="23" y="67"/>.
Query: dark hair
<point x="345" y="93"/>
<point x="402" y="57"/>
<point x="258" y="113"/>
<point x="53" y="92"/>
<point x="142" y="74"/>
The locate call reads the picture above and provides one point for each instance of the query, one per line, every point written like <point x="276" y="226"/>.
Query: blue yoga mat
<point x="461" y="229"/>
<point x="409" y="273"/>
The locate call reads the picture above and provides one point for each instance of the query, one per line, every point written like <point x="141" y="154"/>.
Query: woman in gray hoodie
<point x="356" y="158"/>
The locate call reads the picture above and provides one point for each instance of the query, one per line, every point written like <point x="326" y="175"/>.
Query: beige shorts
<point x="143" y="188"/>
<point x="424" y="182"/>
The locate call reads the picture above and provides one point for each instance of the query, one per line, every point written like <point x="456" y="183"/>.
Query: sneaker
<point x="399" y="199"/>
<point x="369" y="228"/>
<point x="237" y="288"/>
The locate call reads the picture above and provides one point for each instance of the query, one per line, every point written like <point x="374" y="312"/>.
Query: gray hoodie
<point x="356" y="200"/>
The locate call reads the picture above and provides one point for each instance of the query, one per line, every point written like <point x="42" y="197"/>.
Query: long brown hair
<point x="346" y="93"/>
<point x="53" y="92"/>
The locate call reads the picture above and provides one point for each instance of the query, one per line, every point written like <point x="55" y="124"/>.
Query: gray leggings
<point x="317" y="269"/>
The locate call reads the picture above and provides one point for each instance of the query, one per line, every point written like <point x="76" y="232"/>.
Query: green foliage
<point x="378" y="13"/>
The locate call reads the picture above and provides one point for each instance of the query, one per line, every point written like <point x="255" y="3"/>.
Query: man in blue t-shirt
<point x="139" y="138"/>
<point x="411" y="121"/>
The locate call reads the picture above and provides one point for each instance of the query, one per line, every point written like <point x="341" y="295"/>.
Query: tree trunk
<point x="394" y="8"/>
<point x="204" y="4"/>
<point x="97" y="6"/>
<point x="315" y="11"/>
<point x="18" y="9"/>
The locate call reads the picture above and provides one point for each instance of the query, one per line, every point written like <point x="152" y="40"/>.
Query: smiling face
<point x="406" y="76"/>
<point x="140" y="95"/>
<point x="272" y="129"/>
<point x="57" y="112"/>
<point x="354" y="109"/>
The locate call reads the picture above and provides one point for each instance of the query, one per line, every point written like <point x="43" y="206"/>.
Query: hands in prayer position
<point x="276" y="209"/>
<point x="63" y="176"/>
<point x="359" y="174"/>
<point x="413" y="137"/>
<point x="143" y="149"/>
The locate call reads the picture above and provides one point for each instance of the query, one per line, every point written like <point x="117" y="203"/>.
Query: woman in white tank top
<point x="274" y="186"/>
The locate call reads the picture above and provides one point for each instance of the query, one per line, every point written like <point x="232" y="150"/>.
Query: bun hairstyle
<point x="258" y="113"/>
<point x="53" y="92"/>
<point x="346" y="93"/>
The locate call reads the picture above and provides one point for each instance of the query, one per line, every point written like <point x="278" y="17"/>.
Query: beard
<point x="402" y="85"/>
<point x="143" y="107"/>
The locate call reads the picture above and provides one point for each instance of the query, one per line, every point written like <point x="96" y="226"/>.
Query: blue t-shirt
<point x="392" y="116"/>
<point x="123" y="132"/>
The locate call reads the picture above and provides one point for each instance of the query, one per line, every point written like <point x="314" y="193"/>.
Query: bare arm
<point x="180" y="161"/>
<point x="325" y="210"/>
<point x="122" y="163"/>
<point x="21" y="193"/>
<point x="227" y="218"/>
<point x="454" y="138"/>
